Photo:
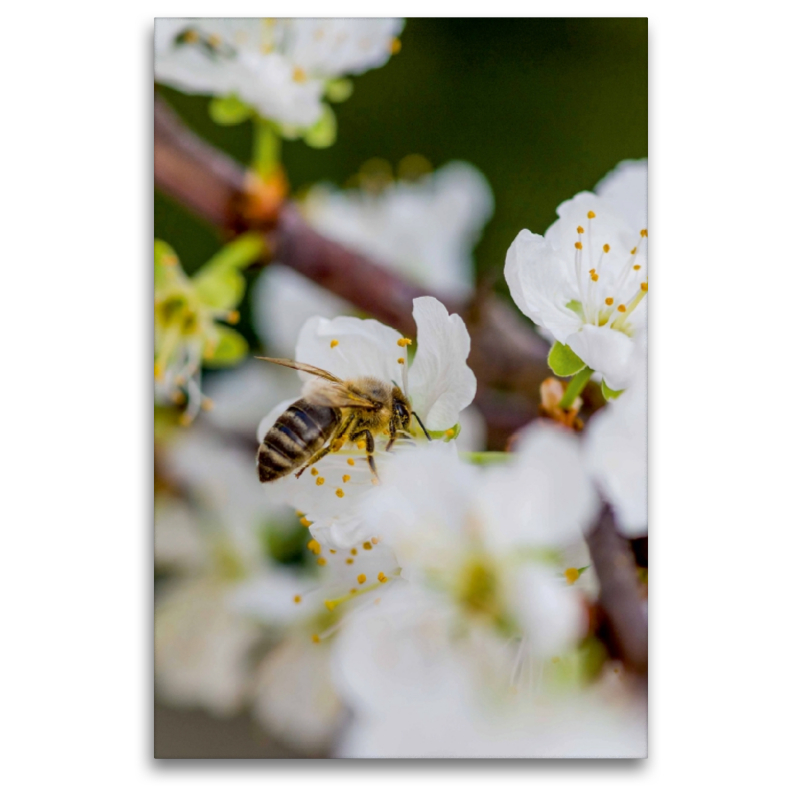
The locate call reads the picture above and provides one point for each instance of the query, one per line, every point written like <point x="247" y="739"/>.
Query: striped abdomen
<point x="297" y="435"/>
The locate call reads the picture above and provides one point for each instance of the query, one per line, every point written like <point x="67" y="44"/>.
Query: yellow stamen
<point x="233" y="317"/>
<point x="643" y="232"/>
<point x="214" y="40"/>
<point x="351" y="462"/>
<point x="320" y="480"/>
<point x="633" y="252"/>
<point x="299" y="75"/>
<point x="578" y="246"/>
<point x="315" y="547"/>
<point x="185" y="419"/>
<point x="300" y="513"/>
<point x="395" y="46"/>
<point x="348" y="561"/>
<point x="401" y="361"/>
<point x="621" y="308"/>
<point x="403" y="342"/>
<point x="637" y="267"/>
<point x="345" y="478"/>
<point x="339" y="493"/>
<point x="333" y="552"/>
<point x="354" y="591"/>
<point x="321" y="561"/>
<point x="190" y="37"/>
<point x="297" y="598"/>
<point x="595" y="277"/>
<point x="591" y="215"/>
<point x="306" y="523"/>
<point x="606" y="248"/>
<point x="314" y="471"/>
<point x="315" y="639"/>
<point x="334" y="342"/>
<point x="375" y="540"/>
<point x="644" y="287"/>
<point x="177" y="397"/>
<point x="361" y="578"/>
<point x="367" y="545"/>
<point x="580" y="229"/>
<point x="330" y="604"/>
<point x="354" y="552"/>
<point x="609" y="301"/>
<point x="571" y="575"/>
<point x="450" y="433"/>
<point x="206" y="404"/>
<point x="382" y="578"/>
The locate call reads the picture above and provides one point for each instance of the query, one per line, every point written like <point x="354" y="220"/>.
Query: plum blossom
<point x="281" y="67"/>
<point x="424" y="230"/>
<point x="616" y="447"/>
<point x="585" y="281"/>
<point x="438" y="383"/>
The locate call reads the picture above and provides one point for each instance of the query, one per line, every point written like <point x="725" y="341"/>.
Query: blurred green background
<point x="543" y="107"/>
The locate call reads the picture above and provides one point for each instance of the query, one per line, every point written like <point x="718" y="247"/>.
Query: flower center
<point x="610" y="285"/>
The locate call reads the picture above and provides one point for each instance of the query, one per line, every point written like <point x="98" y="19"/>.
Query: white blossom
<point x="585" y="281"/>
<point x="424" y="230"/>
<point x="438" y="383"/>
<point x="280" y="67"/>
<point x="616" y="442"/>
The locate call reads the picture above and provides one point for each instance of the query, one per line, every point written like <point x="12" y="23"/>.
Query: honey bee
<point x="331" y="412"/>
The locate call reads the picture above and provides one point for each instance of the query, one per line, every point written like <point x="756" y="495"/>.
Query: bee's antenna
<point x="424" y="429"/>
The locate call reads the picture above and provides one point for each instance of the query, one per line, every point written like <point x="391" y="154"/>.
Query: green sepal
<point x="163" y="256"/>
<point x="337" y="91"/>
<point x="231" y="348"/>
<point x="563" y="361"/>
<point x="608" y="393"/>
<point x="219" y="282"/>
<point x="229" y="110"/>
<point x="323" y="132"/>
<point x="576" y="306"/>
<point x="444" y="434"/>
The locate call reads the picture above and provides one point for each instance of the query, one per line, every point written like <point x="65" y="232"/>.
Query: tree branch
<point x="623" y="625"/>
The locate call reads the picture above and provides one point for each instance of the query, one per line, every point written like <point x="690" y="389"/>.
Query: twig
<point x="623" y="616"/>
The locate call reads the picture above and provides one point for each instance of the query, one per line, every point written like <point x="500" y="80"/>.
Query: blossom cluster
<point x="444" y="609"/>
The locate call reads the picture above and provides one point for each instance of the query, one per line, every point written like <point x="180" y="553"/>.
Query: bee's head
<point x="401" y="409"/>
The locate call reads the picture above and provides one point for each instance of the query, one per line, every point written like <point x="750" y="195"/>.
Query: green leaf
<point x="323" y="132"/>
<point x="231" y="348"/>
<point x="563" y="361"/>
<point x="338" y="91"/>
<point x="219" y="282"/>
<point x="229" y="110"/>
<point x="608" y="393"/>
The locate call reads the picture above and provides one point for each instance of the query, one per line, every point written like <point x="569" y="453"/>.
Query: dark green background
<point x="543" y="107"/>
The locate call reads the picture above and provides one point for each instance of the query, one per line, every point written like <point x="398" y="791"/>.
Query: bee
<point x="331" y="412"/>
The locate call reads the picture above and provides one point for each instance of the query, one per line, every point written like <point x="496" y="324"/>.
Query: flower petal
<point x="607" y="351"/>
<point x="440" y="382"/>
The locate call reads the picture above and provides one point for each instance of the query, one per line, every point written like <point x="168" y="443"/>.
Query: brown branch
<point x="623" y="626"/>
<point x="506" y="353"/>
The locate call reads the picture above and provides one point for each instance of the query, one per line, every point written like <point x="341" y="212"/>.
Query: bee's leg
<point x="337" y="434"/>
<point x="369" y="439"/>
<point x="392" y="435"/>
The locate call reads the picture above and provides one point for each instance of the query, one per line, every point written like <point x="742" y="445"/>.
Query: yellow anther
<point x="333" y="552"/>
<point x="606" y="248"/>
<point x="321" y="561"/>
<point x="595" y="277"/>
<point x="578" y="246"/>
<point x="367" y="545"/>
<point x="348" y="561"/>
<point x="395" y="46"/>
<point x="591" y="215"/>
<point x="214" y="40"/>
<point x="643" y="232"/>
<point x="330" y="604"/>
<point x="206" y="404"/>
<point x="339" y="493"/>
<point x="320" y="480"/>
<point x="609" y="301"/>
<point x="315" y="639"/>
<point x="621" y="308"/>
<point x="306" y="523"/>
<point x="361" y="578"/>
<point x="297" y="598"/>
<point x="190" y="37"/>
<point x="571" y="575"/>
<point x="351" y="462"/>
<point x="185" y="420"/>
<point x="401" y="361"/>
<point x="644" y="286"/>
<point x="177" y="397"/>
<point x="382" y="578"/>
<point x="300" y="513"/>
<point x="637" y="267"/>
<point x="375" y="539"/>
<point x="354" y="552"/>
<point x="299" y="75"/>
<point x="334" y="342"/>
<point x="580" y="228"/>
<point x="633" y="252"/>
<point x="354" y="591"/>
<point x="314" y="471"/>
<point x="362" y="445"/>
<point x="403" y="342"/>
<point x="450" y="433"/>
<point x="233" y="317"/>
<point x="345" y="478"/>
<point x="314" y="546"/>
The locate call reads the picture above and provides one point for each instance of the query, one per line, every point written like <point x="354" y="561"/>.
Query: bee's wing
<point x="300" y="367"/>
<point x="333" y="394"/>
